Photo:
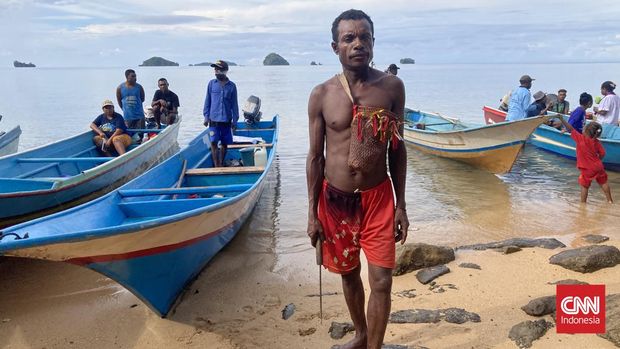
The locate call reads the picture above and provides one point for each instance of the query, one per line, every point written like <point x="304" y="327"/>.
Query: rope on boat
<point x="17" y="237"/>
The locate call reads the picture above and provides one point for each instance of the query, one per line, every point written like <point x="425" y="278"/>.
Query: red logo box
<point x="580" y="308"/>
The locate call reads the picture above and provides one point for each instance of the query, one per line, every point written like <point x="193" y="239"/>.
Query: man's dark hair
<point x="129" y="71"/>
<point x="350" y="15"/>
<point x="562" y="90"/>
<point x="585" y="98"/>
<point x="162" y="79"/>
<point x="609" y="86"/>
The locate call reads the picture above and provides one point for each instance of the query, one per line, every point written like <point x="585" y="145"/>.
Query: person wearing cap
<point x="392" y="69"/>
<point x="221" y="112"/>
<point x="130" y="96"/>
<point x="110" y="130"/>
<point x="520" y="99"/>
<point x="539" y="106"/>
<point x="608" y="111"/>
<point x="165" y="104"/>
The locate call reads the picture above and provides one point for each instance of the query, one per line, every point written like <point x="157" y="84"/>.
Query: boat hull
<point x="151" y="243"/>
<point x="9" y="141"/>
<point x="560" y="143"/>
<point x="63" y="193"/>
<point x="493" y="148"/>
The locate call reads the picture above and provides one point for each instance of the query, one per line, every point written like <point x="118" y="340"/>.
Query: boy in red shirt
<point x="590" y="153"/>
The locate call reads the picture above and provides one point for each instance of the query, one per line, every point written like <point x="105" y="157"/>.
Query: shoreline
<point x="237" y="302"/>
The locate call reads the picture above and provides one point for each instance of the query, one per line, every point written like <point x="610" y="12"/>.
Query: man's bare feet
<point x="358" y="342"/>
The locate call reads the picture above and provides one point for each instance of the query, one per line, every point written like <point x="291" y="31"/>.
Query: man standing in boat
<point x="130" y="96"/>
<point x="350" y="195"/>
<point x="520" y="99"/>
<point x="221" y="111"/>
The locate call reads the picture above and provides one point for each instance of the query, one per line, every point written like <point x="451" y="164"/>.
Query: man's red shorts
<point x="353" y="221"/>
<point x="587" y="176"/>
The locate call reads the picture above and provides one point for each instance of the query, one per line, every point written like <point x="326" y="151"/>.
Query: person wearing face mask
<point x="221" y="112"/>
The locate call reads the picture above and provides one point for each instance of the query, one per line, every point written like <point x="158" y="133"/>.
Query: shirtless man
<point x="351" y="200"/>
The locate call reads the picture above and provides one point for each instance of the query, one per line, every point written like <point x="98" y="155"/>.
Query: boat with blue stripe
<point x="555" y="141"/>
<point x="154" y="234"/>
<point x="58" y="175"/>
<point x="493" y="148"/>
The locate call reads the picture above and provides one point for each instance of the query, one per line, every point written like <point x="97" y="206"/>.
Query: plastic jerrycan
<point x="260" y="157"/>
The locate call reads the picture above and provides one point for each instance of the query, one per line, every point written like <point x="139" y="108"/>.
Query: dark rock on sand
<point x="418" y="316"/>
<point x="540" y="306"/>
<point x="568" y="282"/>
<point x="288" y="311"/>
<point x="411" y="257"/>
<point x="526" y="332"/>
<point x="612" y="319"/>
<point x="339" y="329"/>
<point x="510" y="249"/>
<point x="470" y="266"/>
<point x="595" y="239"/>
<point x="427" y="275"/>
<point x="390" y="346"/>
<point x="587" y="259"/>
<point x="307" y="332"/>
<point x="548" y="243"/>
<point x="406" y="293"/>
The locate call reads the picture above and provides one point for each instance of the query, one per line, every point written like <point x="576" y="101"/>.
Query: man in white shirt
<point x="608" y="111"/>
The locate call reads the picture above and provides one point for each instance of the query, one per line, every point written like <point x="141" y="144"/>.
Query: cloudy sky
<point x="112" y="33"/>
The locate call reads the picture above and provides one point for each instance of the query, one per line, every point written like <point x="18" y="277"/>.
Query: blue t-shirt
<point x="534" y="109"/>
<point x="108" y="126"/>
<point x="577" y="119"/>
<point x="519" y="102"/>
<point x="132" y="102"/>
<point x="221" y="103"/>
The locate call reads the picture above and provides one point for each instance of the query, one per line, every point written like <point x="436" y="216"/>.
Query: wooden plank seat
<point x="214" y="189"/>
<point x="90" y="159"/>
<point x="224" y="170"/>
<point x="165" y="207"/>
<point x="48" y="166"/>
<point x="250" y="145"/>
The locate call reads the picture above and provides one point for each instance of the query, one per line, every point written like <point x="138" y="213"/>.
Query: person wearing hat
<point x="539" y="106"/>
<point x="392" y="69"/>
<point x="608" y="111"/>
<point x="221" y="112"/>
<point x="520" y="99"/>
<point x="110" y="130"/>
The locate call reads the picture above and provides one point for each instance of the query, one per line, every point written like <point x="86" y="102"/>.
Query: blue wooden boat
<point x="493" y="148"/>
<point x="154" y="234"/>
<point x="9" y="141"/>
<point x="57" y="175"/>
<point x="560" y="143"/>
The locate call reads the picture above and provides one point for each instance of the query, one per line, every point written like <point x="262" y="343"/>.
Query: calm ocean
<point x="448" y="202"/>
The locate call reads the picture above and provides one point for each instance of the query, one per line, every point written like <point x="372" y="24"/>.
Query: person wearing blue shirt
<point x="539" y="107"/>
<point x="221" y="112"/>
<point x="520" y="99"/>
<point x="130" y="96"/>
<point x="110" y="130"/>
<point x="578" y="116"/>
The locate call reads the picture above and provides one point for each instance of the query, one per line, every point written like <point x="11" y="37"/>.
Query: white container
<point x="260" y="157"/>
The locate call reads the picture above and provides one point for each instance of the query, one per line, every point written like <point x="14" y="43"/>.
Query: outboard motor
<point x="251" y="110"/>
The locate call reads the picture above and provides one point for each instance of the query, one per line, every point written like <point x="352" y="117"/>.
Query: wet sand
<point x="237" y="301"/>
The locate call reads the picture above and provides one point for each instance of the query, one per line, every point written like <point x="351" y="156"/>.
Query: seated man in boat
<point x="539" y="106"/>
<point x="355" y="121"/>
<point x="562" y="106"/>
<point x="110" y="130"/>
<point x="165" y="104"/>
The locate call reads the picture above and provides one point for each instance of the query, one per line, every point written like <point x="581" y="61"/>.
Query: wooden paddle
<point x="181" y="177"/>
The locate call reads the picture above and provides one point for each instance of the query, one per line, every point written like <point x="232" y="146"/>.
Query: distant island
<point x="315" y="63"/>
<point x="274" y="59"/>
<point x="407" y="61"/>
<point x="208" y="64"/>
<point x="158" y="62"/>
<point x="18" y="64"/>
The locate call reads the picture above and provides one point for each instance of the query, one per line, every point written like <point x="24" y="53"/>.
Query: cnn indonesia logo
<point x="580" y="308"/>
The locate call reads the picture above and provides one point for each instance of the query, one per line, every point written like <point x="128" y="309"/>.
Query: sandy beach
<point x="237" y="302"/>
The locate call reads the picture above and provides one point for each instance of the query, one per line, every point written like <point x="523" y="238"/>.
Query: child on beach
<point x="590" y="153"/>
